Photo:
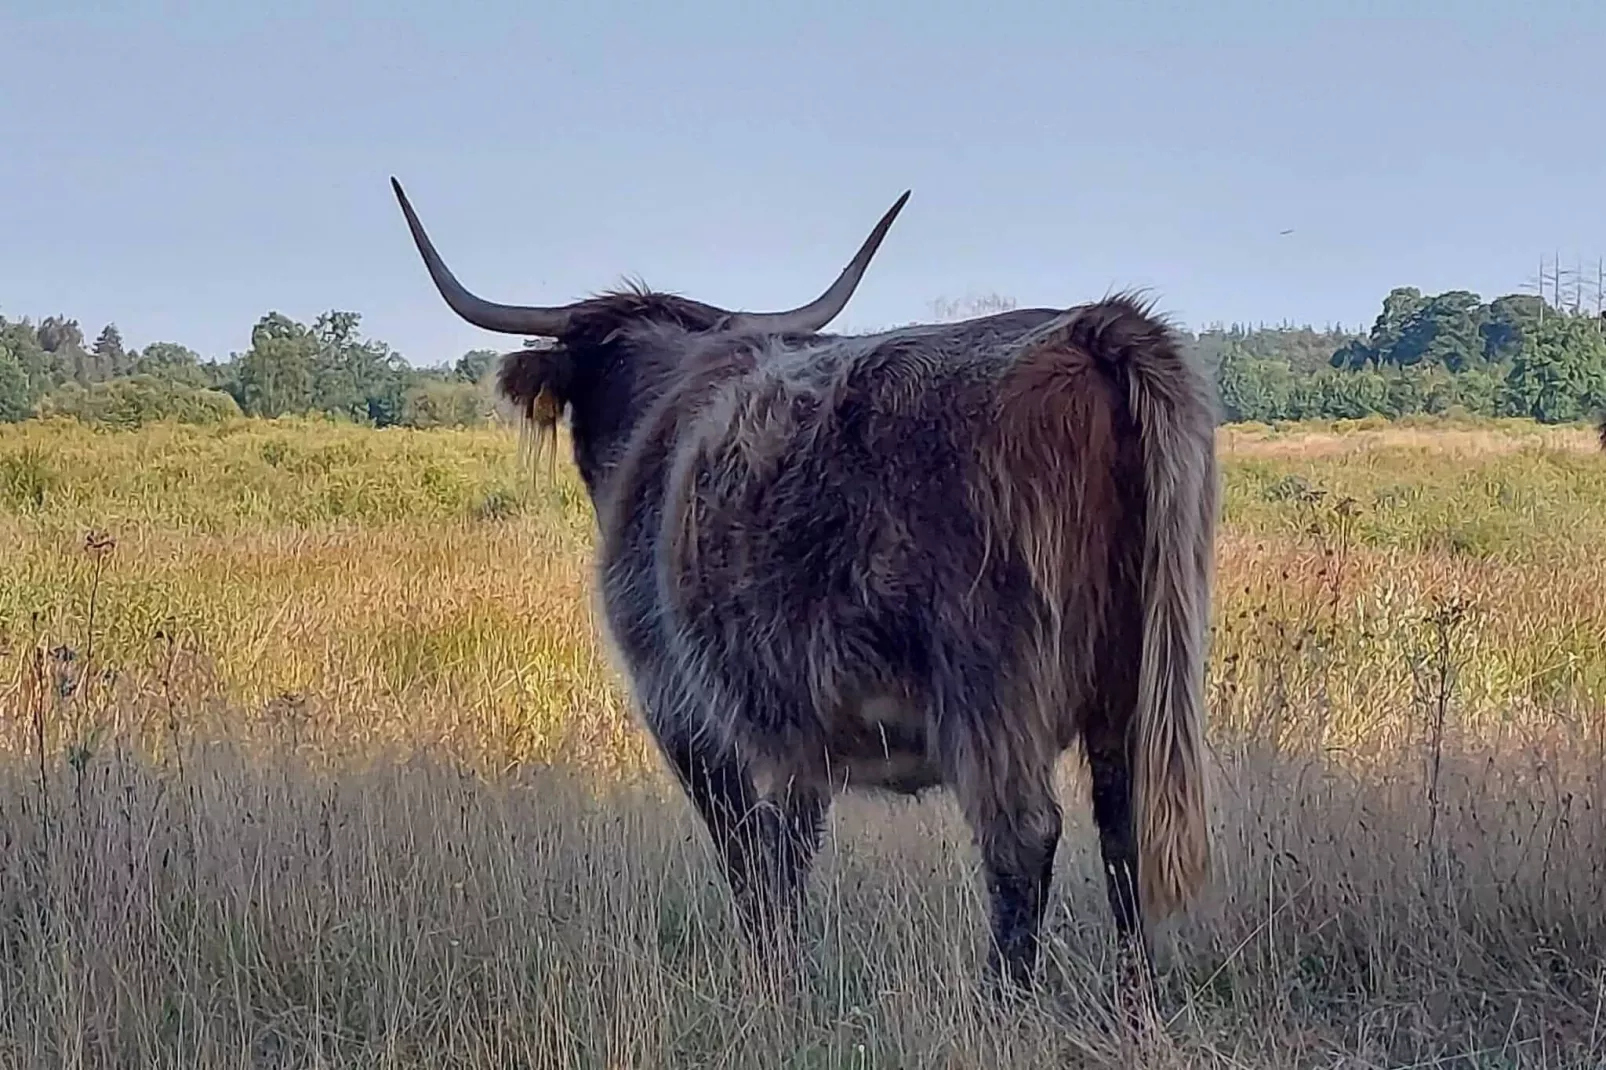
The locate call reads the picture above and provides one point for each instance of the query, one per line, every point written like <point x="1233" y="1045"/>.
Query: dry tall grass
<point x="310" y="756"/>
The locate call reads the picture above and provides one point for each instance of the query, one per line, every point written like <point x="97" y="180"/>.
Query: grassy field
<point x="310" y="755"/>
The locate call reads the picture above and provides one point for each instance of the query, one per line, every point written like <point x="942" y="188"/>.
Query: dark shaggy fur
<point x="934" y="556"/>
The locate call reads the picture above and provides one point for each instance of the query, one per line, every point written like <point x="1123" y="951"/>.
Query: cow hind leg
<point x="793" y="823"/>
<point x="1019" y="838"/>
<point x="1017" y="826"/>
<point x="1004" y="782"/>
<point x="1105" y="735"/>
<point x="766" y="845"/>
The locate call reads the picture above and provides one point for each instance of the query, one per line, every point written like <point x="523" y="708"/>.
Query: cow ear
<point x="538" y="382"/>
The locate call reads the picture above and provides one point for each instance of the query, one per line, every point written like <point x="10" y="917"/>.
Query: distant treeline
<point x="1517" y="355"/>
<point x="1447" y="353"/>
<point x="48" y="369"/>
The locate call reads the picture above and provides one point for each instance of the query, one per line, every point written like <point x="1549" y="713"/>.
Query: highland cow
<point x="936" y="556"/>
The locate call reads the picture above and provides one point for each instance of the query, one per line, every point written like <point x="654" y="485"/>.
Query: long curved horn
<point x="825" y="308"/>
<point x="506" y="319"/>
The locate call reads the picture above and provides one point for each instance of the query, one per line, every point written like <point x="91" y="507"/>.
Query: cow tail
<point x="1171" y="403"/>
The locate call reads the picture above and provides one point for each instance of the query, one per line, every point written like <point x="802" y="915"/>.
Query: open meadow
<point x="311" y="755"/>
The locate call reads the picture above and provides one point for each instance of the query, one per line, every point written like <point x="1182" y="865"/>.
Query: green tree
<point x="1443" y="331"/>
<point x="1560" y="373"/>
<point x="16" y="394"/>
<point x="1341" y="395"/>
<point x="475" y="365"/>
<point x="63" y="339"/>
<point x="352" y="376"/>
<point x="173" y="363"/>
<point x="443" y="404"/>
<point x="275" y="374"/>
<point x="110" y="356"/>
<point x="1478" y="391"/>
<point x="1510" y="319"/>
<point x="20" y="340"/>
<point x="1253" y="388"/>
<point x="131" y="401"/>
<point x="1399" y="308"/>
<point x="58" y="333"/>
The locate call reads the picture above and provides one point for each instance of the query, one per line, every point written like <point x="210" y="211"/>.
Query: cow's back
<point x="822" y="532"/>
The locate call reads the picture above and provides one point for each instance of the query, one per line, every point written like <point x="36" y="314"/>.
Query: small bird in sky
<point x="1290" y="230"/>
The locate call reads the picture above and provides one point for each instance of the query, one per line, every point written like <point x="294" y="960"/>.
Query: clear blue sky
<point x="182" y="169"/>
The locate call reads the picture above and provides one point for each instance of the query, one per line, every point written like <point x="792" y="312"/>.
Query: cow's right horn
<point x="506" y="319"/>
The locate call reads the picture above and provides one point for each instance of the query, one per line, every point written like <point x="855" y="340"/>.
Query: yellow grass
<point x="335" y="771"/>
<point x="1362" y="436"/>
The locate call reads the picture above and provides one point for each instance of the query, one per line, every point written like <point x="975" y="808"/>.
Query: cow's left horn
<point x="825" y="308"/>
